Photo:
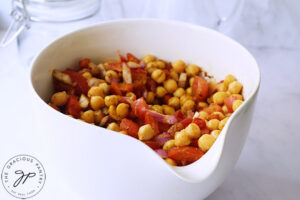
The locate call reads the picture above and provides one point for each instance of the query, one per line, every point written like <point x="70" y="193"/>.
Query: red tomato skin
<point x="84" y="62"/>
<point x="185" y="155"/>
<point x="82" y="86"/>
<point x="115" y="89"/>
<point x="149" y="119"/>
<point x="152" y="144"/>
<point x="73" y="107"/>
<point x="199" y="89"/>
<point x="179" y="115"/>
<point x="186" y="122"/>
<point x="116" y="66"/>
<point x="132" y="58"/>
<point x="130" y="127"/>
<point x="200" y="122"/>
<point x="122" y="58"/>
<point x="151" y="85"/>
<point x="139" y="108"/>
<point x="125" y="87"/>
<point x="166" y="99"/>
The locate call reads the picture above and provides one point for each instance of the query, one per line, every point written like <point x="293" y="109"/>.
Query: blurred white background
<point x="268" y="168"/>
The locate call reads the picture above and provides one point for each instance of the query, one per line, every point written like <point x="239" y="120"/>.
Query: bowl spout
<point x="222" y="156"/>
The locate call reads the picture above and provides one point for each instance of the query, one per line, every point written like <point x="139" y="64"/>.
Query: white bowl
<point x="100" y="164"/>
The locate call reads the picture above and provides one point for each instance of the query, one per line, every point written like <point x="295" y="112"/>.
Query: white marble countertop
<point x="269" y="166"/>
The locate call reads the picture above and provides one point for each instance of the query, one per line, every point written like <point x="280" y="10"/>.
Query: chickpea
<point x="174" y="102"/>
<point x="88" y="116"/>
<point x="206" y="141"/>
<point x="192" y="70"/>
<point x="160" y="64"/>
<point x="87" y="75"/>
<point x="189" y="91"/>
<point x="83" y="101"/>
<point x="203" y="115"/>
<point x="178" y="66"/>
<point x="229" y="79"/>
<point x="217" y="115"/>
<point x="110" y="73"/>
<point x="96" y="102"/>
<point x="158" y="75"/>
<point x="223" y="122"/>
<point x="235" y="87"/>
<point x="236" y="104"/>
<point x="212" y="86"/>
<point x="215" y="133"/>
<point x="191" y="81"/>
<point x="150" y="96"/>
<point x="170" y="85"/>
<point x="113" y="126"/>
<point x="174" y="75"/>
<point x="193" y="130"/>
<point x="95" y="91"/>
<point x="148" y="58"/>
<point x="169" y="145"/>
<point x="111" y="100"/>
<point x="59" y="98"/>
<point x="157" y="108"/>
<point x="213" y="124"/>
<point x="168" y="110"/>
<point x="202" y="105"/>
<point x="160" y="91"/>
<point x="146" y="132"/>
<point x="184" y="98"/>
<point x="221" y="87"/>
<point x="224" y="109"/>
<point x="210" y="100"/>
<point x="240" y="97"/>
<point x="170" y="161"/>
<point x="188" y="105"/>
<point x="150" y="67"/>
<point x="98" y="115"/>
<point x="181" y="139"/>
<point x="219" y="97"/>
<point x="112" y="111"/>
<point x="131" y="95"/>
<point x="105" y="87"/>
<point x="122" y="110"/>
<point x="94" y="81"/>
<point x="179" y="92"/>
<point x="123" y="132"/>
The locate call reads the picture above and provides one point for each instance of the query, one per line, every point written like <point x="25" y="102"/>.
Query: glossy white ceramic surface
<point x="97" y="163"/>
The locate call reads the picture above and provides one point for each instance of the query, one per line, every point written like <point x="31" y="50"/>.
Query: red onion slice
<point x="162" y="153"/>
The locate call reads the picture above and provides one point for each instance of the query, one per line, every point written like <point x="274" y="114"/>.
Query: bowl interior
<point x="215" y="53"/>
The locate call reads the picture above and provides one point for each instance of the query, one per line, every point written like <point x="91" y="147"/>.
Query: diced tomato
<point x="204" y="131"/>
<point x="179" y="115"/>
<point x="228" y="101"/>
<point x="185" y="155"/>
<point x="149" y="119"/>
<point x="84" y="62"/>
<point x="166" y="98"/>
<point x="122" y="58"/>
<point x="130" y="127"/>
<point x="151" y="85"/>
<point x="152" y="144"/>
<point x="199" y="88"/>
<point x="186" y="122"/>
<point x="82" y="86"/>
<point x="200" y="122"/>
<point x="116" y="66"/>
<point x="125" y="87"/>
<point x="115" y="89"/>
<point x="167" y="72"/>
<point x="139" y="77"/>
<point x="139" y="108"/>
<point x="163" y="127"/>
<point x="73" y="106"/>
<point x="175" y="128"/>
<point x="213" y="107"/>
<point x="132" y="58"/>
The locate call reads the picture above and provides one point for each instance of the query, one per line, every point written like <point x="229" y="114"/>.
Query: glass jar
<point x="38" y="22"/>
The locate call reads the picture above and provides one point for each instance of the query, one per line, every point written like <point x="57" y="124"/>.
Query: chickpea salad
<point x="173" y="107"/>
